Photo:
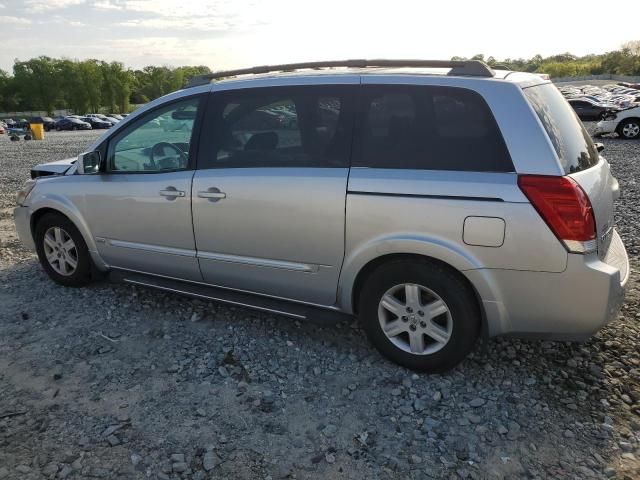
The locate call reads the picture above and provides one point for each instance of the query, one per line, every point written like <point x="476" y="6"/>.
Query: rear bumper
<point x="571" y="305"/>
<point x="22" y="219"/>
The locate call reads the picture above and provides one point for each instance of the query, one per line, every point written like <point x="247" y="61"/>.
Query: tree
<point x="633" y="47"/>
<point x="45" y="83"/>
<point x="109" y="85"/>
<point x="75" y="96"/>
<point x="38" y="82"/>
<point x="5" y="79"/>
<point x="91" y="78"/>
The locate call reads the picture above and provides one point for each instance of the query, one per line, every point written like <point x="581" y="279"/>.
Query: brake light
<point x="565" y="208"/>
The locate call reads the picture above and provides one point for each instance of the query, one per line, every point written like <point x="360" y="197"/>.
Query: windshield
<point x="570" y="139"/>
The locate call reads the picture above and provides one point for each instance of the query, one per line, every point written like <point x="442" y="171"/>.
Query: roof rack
<point x="471" y="68"/>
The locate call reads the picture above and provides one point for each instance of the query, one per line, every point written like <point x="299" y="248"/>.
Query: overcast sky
<point x="236" y="33"/>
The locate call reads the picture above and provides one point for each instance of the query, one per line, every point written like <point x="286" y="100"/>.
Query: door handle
<point x="172" y="192"/>
<point x="213" y="194"/>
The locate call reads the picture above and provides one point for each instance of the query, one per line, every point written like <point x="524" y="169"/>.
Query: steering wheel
<point x="158" y="150"/>
<point x="125" y="164"/>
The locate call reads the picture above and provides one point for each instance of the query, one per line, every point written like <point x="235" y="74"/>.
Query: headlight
<point x="24" y="192"/>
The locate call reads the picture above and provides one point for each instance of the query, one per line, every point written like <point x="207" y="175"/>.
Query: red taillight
<point x="565" y="207"/>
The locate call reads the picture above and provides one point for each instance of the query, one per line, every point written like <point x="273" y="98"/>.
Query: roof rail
<point x="471" y="68"/>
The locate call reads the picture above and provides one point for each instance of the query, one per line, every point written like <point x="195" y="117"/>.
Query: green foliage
<point x="625" y="61"/>
<point x="45" y="83"/>
<point x="37" y="82"/>
<point x="153" y="82"/>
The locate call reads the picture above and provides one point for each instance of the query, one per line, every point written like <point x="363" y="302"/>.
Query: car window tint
<point x="159" y="141"/>
<point x="570" y="139"/>
<point x="255" y="132"/>
<point x="432" y="128"/>
<point x="281" y="127"/>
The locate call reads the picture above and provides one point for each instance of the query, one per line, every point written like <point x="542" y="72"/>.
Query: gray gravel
<point x="113" y="381"/>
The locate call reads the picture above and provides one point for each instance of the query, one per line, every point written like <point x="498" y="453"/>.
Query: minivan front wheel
<point x="62" y="251"/>
<point x="419" y="314"/>
<point x="629" y="129"/>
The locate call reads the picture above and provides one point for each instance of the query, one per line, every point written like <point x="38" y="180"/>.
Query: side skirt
<point x="242" y="299"/>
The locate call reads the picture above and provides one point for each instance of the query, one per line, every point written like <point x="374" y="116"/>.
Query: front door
<point x="140" y="208"/>
<point x="269" y="193"/>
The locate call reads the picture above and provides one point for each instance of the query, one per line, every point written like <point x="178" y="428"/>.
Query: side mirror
<point x="90" y="163"/>
<point x="599" y="146"/>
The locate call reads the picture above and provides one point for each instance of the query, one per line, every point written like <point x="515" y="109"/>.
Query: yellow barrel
<point x="38" y="131"/>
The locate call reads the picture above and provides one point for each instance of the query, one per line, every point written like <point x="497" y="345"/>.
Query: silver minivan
<point x="437" y="201"/>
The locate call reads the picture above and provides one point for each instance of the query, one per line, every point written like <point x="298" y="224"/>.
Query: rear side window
<point x="301" y="126"/>
<point x="566" y="132"/>
<point x="429" y="128"/>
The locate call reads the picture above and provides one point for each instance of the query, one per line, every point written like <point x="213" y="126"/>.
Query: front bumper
<point x="606" y="126"/>
<point x="571" y="305"/>
<point x="22" y="219"/>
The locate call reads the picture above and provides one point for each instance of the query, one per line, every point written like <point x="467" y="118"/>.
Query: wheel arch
<point x="38" y="214"/>
<point x="624" y="120"/>
<point x="369" y="267"/>
<point x="71" y="214"/>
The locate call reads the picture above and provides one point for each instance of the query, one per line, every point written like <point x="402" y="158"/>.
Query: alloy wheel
<point x="631" y="130"/>
<point x="415" y="319"/>
<point x="61" y="251"/>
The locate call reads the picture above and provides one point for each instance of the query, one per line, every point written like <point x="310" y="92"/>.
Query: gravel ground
<point x="113" y="381"/>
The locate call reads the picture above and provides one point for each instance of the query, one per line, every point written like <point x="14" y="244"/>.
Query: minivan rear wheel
<point x="419" y="314"/>
<point x="62" y="251"/>
<point x="629" y="129"/>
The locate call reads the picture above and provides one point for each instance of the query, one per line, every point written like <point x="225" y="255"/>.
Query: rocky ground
<point x="118" y="382"/>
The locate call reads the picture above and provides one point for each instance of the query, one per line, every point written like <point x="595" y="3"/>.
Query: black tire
<point x="443" y="281"/>
<point x="633" y="123"/>
<point x="27" y="137"/>
<point x="82" y="274"/>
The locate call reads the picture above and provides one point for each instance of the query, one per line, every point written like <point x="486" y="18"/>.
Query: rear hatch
<point x="578" y="156"/>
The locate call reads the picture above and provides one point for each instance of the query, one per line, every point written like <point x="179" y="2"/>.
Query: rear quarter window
<point x="428" y="128"/>
<point x="570" y="139"/>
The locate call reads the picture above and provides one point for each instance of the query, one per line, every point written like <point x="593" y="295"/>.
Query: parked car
<point x="116" y="116"/>
<point x="22" y="123"/>
<point x="626" y="123"/>
<point x="97" y="123"/>
<point x="10" y="123"/>
<point x="47" y="122"/>
<point x="111" y="120"/>
<point x="72" y="123"/>
<point x="3" y="128"/>
<point x="611" y="95"/>
<point x="587" y="109"/>
<point x="464" y="202"/>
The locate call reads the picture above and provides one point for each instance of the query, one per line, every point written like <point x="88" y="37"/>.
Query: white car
<point x="625" y="123"/>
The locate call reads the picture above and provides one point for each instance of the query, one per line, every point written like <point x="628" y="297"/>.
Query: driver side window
<point x="159" y="141"/>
